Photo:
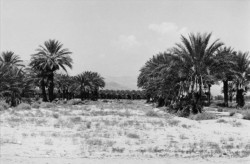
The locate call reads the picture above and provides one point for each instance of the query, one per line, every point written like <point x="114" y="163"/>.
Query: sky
<point x="115" y="37"/>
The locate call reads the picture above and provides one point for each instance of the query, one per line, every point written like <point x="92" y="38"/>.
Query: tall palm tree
<point x="11" y="60"/>
<point x="96" y="82"/>
<point x="89" y="83"/>
<point x="13" y="81"/>
<point x="196" y="56"/>
<point x="223" y="68"/>
<point x="243" y="76"/>
<point x="48" y="59"/>
<point x="83" y="80"/>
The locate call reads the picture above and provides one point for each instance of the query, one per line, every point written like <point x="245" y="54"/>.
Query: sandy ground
<point x="119" y="132"/>
<point x="25" y="160"/>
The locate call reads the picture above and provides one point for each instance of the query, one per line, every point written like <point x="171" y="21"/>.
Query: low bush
<point x="221" y="121"/>
<point x="76" y="120"/>
<point x="35" y="105"/>
<point x="203" y="116"/>
<point x="152" y="113"/>
<point x="133" y="135"/>
<point x="3" y="106"/>
<point x="75" y="102"/>
<point x="47" y="105"/>
<point x="232" y="113"/>
<point x="27" y="100"/>
<point x="173" y="122"/>
<point x="246" y="115"/>
<point x="55" y="115"/>
<point x="246" y="106"/>
<point x="220" y="110"/>
<point x="23" y="106"/>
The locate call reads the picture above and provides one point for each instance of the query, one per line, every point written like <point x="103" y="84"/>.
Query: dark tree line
<point x="181" y="77"/>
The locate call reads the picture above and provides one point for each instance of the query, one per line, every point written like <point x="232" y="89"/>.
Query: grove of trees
<point x="40" y="77"/>
<point x="181" y="77"/>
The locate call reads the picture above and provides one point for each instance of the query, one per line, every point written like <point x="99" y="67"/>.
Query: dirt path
<point x="28" y="160"/>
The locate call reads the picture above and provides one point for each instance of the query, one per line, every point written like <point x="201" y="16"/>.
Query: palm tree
<point x="196" y="56"/>
<point x="243" y="76"/>
<point x="13" y="82"/>
<point x="83" y="80"/>
<point x="223" y="68"/>
<point x="96" y="82"/>
<point x="11" y="60"/>
<point x="89" y="83"/>
<point x="48" y="59"/>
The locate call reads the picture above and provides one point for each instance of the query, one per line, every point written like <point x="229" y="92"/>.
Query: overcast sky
<point x="114" y="37"/>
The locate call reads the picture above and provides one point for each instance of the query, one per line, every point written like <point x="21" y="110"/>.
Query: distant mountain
<point x="115" y="86"/>
<point x="121" y="82"/>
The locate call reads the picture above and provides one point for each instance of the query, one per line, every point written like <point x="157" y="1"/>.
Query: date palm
<point x="243" y="76"/>
<point x="12" y="79"/>
<point x="48" y="59"/>
<point x="83" y="81"/>
<point x="197" y="56"/>
<point x="223" y="68"/>
<point x="89" y="82"/>
<point x="11" y="60"/>
<point x="96" y="82"/>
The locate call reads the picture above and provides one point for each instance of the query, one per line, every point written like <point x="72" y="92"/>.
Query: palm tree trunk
<point x="209" y="94"/>
<point x="225" y="90"/>
<point x="81" y="92"/>
<point x="240" y="98"/>
<point x="51" y="86"/>
<point x="43" y="90"/>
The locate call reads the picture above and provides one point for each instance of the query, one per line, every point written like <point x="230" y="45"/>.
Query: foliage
<point x="47" y="105"/>
<point x="75" y="102"/>
<point x="3" y="106"/>
<point x="246" y="115"/>
<point x="152" y="113"/>
<point x="202" y="116"/>
<point x="48" y="59"/>
<point x="182" y="76"/>
<point x="23" y="106"/>
<point x="35" y="105"/>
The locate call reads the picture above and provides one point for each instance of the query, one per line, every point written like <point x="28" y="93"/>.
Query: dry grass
<point x="121" y="128"/>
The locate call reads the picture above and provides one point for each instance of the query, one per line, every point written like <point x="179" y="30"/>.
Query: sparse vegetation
<point x="35" y="105"/>
<point x="47" y="105"/>
<point x="99" y="134"/>
<point x="173" y="122"/>
<point x="246" y="115"/>
<point x="133" y="135"/>
<point x="3" y="106"/>
<point x="152" y="113"/>
<point x="75" y="102"/>
<point x="221" y="121"/>
<point x="23" y="106"/>
<point x="203" y="116"/>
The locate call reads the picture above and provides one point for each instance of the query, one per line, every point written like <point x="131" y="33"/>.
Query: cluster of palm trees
<point x="41" y="76"/>
<point x="182" y="76"/>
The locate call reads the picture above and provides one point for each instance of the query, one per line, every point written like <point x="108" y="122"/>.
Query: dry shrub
<point x="133" y="135"/>
<point x="202" y="116"/>
<point x="173" y="122"/>
<point x="23" y="106"/>
<point x="75" y="102"/>
<point x="3" y="106"/>
<point x="246" y="115"/>
<point x="55" y="115"/>
<point x="152" y="113"/>
<point x="221" y="121"/>
<point x="47" y="105"/>
<point x="76" y="120"/>
<point x="35" y="105"/>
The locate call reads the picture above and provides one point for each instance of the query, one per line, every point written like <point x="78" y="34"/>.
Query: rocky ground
<point x="119" y="132"/>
